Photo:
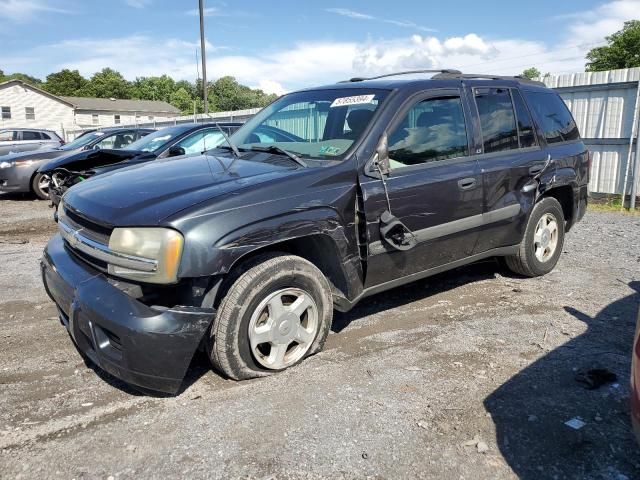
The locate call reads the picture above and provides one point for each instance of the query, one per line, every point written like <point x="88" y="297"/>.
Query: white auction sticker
<point x="355" y="100"/>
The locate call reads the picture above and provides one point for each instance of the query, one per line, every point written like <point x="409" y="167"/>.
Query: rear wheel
<point x="542" y="243"/>
<point x="277" y="312"/>
<point x="40" y="186"/>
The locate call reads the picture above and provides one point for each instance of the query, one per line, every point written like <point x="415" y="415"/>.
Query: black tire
<point x="228" y="343"/>
<point x="36" y="189"/>
<point x="525" y="261"/>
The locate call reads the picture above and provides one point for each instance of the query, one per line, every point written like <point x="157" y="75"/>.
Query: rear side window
<point x="432" y="130"/>
<point x="28" y="135"/>
<point x="525" y="124"/>
<point x="497" y="119"/>
<point x="554" y="117"/>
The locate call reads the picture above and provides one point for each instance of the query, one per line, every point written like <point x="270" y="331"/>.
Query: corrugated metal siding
<point x="603" y="105"/>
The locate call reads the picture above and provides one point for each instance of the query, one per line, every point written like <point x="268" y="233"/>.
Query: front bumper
<point x="150" y="347"/>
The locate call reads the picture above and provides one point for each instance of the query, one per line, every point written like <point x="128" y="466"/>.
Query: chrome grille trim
<point x="78" y="241"/>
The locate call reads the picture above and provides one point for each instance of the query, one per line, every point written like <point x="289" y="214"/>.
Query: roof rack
<point x="409" y="72"/>
<point x="483" y="76"/>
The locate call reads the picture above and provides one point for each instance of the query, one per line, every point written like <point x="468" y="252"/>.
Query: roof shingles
<point x="117" y="105"/>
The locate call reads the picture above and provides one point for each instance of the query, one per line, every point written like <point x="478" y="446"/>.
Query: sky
<point x="283" y="45"/>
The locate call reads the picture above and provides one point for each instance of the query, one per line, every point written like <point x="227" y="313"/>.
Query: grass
<point x="612" y="206"/>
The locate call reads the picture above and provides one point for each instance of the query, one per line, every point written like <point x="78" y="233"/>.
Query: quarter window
<point x="432" y="130"/>
<point x="497" y="120"/>
<point x="554" y="117"/>
<point x="6" y="113"/>
<point x="30" y="113"/>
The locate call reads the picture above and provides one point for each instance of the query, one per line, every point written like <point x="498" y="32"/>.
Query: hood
<point x="145" y="194"/>
<point x="89" y="159"/>
<point x="34" y="155"/>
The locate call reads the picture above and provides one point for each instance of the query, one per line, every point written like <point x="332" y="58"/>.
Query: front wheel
<point x="542" y="243"/>
<point x="40" y="186"/>
<point x="277" y="312"/>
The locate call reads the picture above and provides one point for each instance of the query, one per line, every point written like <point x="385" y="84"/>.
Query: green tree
<point x="65" y="82"/>
<point x="227" y="94"/>
<point x="531" y="73"/>
<point x="622" y="51"/>
<point x="154" y="88"/>
<point x="183" y="100"/>
<point x="22" y="76"/>
<point x="107" y="83"/>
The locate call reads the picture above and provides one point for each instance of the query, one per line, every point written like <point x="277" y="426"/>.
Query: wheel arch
<point x="320" y="249"/>
<point x="564" y="194"/>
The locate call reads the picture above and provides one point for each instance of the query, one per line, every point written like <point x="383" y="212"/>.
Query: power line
<point x="583" y="45"/>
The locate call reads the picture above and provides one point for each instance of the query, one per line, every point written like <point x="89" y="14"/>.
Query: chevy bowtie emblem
<point x="74" y="240"/>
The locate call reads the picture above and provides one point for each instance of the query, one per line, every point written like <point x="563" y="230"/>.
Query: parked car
<point x="18" y="172"/>
<point x="17" y="140"/>
<point x="247" y="249"/>
<point x="168" y="142"/>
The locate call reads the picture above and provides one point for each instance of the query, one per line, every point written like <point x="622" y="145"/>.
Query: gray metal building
<point x="606" y="108"/>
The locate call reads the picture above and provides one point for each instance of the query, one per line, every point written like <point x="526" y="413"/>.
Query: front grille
<point x="94" y="262"/>
<point x="91" y="230"/>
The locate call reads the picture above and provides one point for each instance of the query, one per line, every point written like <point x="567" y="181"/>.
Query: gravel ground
<point x="470" y="374"/>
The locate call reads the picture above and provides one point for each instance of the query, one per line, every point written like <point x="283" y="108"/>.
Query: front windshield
<point x="313" y="124"/>
<point x="82" y="141"/>
<point x="154" y="142"/>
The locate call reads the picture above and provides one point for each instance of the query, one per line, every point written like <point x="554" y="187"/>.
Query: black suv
<point x="325" y="197"/>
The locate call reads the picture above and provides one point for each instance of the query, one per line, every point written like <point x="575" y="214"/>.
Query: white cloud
<point x="345" y="12"/>
<point x="24" y="10"/>
<point x="350" y="13"/>
<point x="138" y="3"/>
<point x="321" y="62"/>
<point x="208" y="12"/>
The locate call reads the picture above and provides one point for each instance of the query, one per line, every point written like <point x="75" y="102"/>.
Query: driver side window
<point x="115" y="142"/>
<point x="432" y="130"/>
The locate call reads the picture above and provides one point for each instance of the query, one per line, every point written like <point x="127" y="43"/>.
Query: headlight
<point x="6" y="164"/>
<point x="160" y="244"/>
<point x="23" y="163"/>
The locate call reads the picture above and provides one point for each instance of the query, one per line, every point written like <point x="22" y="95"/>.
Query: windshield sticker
<point x="329" y="150"/>
<point x="355" y="100"/>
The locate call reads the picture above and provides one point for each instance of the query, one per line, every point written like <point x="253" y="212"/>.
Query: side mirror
<point x="380" y="164"/>
<point x="176" y="151"/>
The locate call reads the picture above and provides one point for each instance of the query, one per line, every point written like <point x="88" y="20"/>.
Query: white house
<point x="23" y="105"/>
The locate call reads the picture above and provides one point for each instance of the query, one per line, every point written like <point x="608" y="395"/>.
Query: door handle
<point x="467" y="183"/>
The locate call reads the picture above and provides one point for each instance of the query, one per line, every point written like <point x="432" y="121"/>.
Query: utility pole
<point x="204" y="59"/>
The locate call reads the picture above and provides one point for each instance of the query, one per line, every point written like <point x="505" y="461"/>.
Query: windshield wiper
<point x="282" y="151"/>
<point x="234" y="149"/>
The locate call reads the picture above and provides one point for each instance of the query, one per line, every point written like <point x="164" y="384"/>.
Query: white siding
<point x="84" y="118"/>
<point x="50" y="114"/>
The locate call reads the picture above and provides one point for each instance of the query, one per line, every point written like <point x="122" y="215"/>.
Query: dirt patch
<point x="470" y="374"/>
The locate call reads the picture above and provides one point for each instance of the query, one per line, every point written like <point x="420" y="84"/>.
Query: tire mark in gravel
<point x="17" y="439"/>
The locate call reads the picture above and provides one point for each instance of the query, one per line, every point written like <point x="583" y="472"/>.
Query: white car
<point x="16" y="140"/>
